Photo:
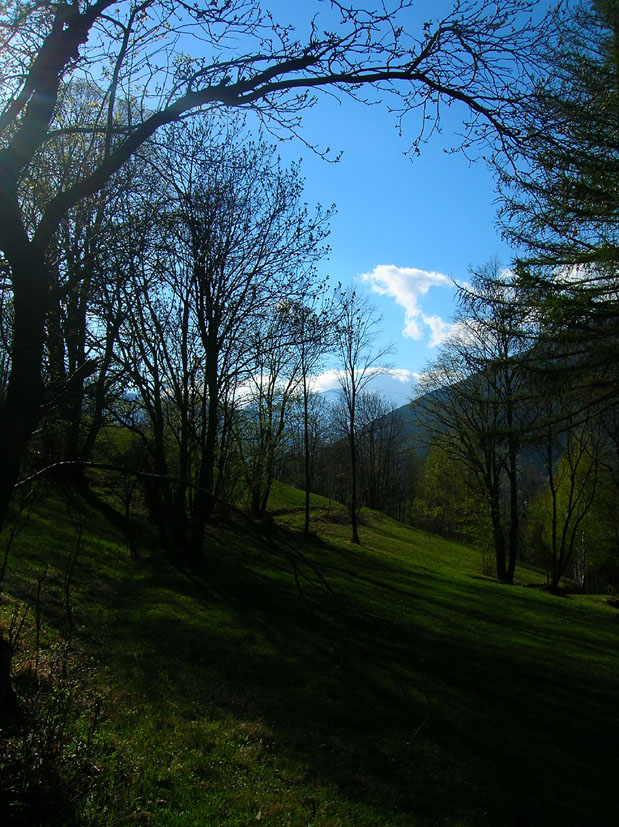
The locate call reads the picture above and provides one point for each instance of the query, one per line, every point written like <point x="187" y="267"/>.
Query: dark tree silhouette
<point x="135" y="52"/>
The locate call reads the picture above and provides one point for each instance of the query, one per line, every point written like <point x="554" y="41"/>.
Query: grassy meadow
<point x="296" y="681"/>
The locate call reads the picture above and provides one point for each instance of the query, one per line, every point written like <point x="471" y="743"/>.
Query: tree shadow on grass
<point x="380" y="682"/>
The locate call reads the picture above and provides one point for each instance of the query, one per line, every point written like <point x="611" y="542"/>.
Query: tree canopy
<point x="560" y="199"/>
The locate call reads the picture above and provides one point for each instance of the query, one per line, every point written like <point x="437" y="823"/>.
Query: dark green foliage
<point x="561" y="206"/>
<point x="447" y="503"/>
<point x="560" y="203"/>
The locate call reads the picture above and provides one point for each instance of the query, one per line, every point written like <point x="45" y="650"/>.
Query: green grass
<point x="310" y="681"/>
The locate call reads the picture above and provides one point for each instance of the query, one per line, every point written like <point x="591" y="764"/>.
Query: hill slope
<point x="301" y="682"/>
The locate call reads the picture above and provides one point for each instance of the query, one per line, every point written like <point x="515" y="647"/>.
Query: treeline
<point x="387" y="464"/>
<point x="187" y="312"/>
<point x="523" y="455"/>
<point x="523" y="402"/>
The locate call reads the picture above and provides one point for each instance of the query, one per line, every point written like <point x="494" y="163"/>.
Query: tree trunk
<point x="255" y="501"/>
<point x="514" y="516"/>
<point x="306" y="458"/>
<point x="9" y="707"/>
<point x="21" y="410"/>
<point x="498" y="540"/>
<point x="20" y="413"/>
<point x="353" y="490"/>
<point x="204" y="503"/>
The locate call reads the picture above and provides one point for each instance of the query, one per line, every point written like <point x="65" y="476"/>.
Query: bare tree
<point x="275" y="377"/>
<point x="474" y="400"/>
<point x="231" y="55"/>
<point x="251" y="246"/>
<point x="232" y="254"/>
<point x="359" y="360"/>
<point x="385" y="458"/>
<point x="314" y="320"/>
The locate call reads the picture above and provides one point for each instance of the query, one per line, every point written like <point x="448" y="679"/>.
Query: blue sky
<point x="403" y="227"/>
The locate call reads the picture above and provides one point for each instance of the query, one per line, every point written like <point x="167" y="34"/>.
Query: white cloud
<point x="327" y="381"/>
<point x="408" y="285"/>
<point x="440" y="330"/>
<point x="402" y="375"/>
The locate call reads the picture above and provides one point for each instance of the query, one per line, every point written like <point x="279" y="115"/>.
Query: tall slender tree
<point x="314" y="320"/>
<point x="360" y="359"/>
